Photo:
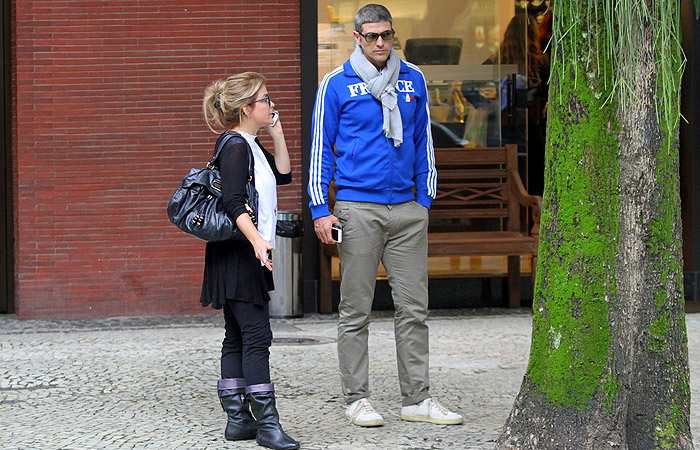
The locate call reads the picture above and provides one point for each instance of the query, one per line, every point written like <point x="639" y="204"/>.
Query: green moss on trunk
<point x="571" y="335"/>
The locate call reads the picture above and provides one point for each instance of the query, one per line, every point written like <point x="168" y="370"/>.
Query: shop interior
<point x="486" y="66"/>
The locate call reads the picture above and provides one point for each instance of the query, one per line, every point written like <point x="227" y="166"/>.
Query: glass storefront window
<point x="483" y="63"/>
<point x="486" y="77"/>
<point x="454" y="43"/>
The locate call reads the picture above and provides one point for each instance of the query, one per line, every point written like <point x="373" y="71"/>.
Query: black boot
<point x="270" y="432"/>
<point x="241" y="424"/>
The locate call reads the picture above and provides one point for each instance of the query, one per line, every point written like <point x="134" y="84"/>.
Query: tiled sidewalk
<point x="150" y="383"/>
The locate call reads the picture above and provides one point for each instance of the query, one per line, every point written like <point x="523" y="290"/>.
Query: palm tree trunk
<point x="608" y="366"/>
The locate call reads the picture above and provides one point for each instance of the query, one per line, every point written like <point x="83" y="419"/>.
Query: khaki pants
<point x="396" y="235"/>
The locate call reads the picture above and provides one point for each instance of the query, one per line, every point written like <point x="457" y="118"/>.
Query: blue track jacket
<point x="368" y="168"/>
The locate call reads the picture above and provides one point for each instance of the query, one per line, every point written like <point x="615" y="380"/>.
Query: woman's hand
<point x="281" y="154"/>
<point x="261" y="247"/>
<point x="275" y="131"/>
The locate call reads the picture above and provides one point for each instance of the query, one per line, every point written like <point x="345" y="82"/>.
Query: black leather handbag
<point x="197" y="207"/>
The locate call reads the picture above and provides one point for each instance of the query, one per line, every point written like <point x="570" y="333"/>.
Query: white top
<point x="266" y="185"/>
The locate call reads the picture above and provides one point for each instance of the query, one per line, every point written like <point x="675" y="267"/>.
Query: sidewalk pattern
<point x="150" y="383"/>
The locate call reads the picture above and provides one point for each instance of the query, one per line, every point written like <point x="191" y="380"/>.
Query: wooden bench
<point x="476" y="212"/>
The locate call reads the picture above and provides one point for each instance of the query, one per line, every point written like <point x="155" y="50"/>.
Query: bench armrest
<point x="531" y="201"/>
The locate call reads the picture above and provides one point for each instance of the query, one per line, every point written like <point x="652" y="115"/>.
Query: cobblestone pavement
<point x="150" y="382"/>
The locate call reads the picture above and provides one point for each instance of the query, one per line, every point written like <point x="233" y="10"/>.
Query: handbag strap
<point x="220" y="147"/>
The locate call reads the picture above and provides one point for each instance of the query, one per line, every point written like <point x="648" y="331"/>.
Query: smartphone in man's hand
<point x="337" y="232"/>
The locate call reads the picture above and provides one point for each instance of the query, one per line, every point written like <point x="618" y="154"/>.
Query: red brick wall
<point x="107" y="120"/>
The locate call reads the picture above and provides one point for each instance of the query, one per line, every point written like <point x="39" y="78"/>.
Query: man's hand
<point x="322" y="227"/>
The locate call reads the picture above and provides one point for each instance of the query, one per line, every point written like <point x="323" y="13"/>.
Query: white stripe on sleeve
<point x="316" y="157"/>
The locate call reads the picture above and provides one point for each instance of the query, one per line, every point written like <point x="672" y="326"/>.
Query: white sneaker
<point x="429" y="410"/>
<point x="361" y="412"/>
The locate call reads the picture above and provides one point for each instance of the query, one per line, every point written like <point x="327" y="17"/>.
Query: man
<point x="374" y="111"/>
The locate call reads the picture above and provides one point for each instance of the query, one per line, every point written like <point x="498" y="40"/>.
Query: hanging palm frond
<point x="616" y="50"/>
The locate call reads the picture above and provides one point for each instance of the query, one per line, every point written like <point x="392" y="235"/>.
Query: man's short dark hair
<point x="371" y="13"/>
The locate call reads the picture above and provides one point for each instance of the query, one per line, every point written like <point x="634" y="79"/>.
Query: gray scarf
<point x="382" y="87"/>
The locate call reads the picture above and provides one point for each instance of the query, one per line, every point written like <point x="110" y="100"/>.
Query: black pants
<point x="245" y="352"/>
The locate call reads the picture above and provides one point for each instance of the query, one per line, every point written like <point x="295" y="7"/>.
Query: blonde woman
<point x="237" y="277"/>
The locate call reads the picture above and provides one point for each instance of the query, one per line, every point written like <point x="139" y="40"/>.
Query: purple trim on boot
<point x="266" y="387"/>
<point x="231" y="383"/>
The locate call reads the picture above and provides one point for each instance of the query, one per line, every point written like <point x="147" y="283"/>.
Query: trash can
<point x="286" y="300"/>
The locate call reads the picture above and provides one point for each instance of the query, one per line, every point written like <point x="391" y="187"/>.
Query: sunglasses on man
<point x="372" y="37"/>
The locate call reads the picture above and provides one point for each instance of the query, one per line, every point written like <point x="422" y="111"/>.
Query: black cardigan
<point x="231" y="270"/>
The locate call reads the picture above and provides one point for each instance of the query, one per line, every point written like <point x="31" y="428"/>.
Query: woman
<point x="237" y="277"/>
